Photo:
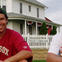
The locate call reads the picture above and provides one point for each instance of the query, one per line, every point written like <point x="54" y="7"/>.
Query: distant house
<point x="25" y="16"/>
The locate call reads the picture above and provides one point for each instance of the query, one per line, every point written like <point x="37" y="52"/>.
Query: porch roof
<point x="15" y="16"/>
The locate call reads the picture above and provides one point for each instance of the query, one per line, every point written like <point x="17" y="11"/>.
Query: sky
<point x="54" y="10"/>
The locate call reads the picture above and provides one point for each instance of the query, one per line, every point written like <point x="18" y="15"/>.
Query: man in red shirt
<point x="13" y="48"/>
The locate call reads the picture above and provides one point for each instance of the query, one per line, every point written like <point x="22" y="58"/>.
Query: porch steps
<point x="39" y="54"/>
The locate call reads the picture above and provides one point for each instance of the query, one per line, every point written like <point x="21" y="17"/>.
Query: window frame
<point x="20" y="7"/>
<point x="37" y="12"/>
<point x="29" y="8"/>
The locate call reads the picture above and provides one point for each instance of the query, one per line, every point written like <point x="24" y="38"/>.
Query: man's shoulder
<point x="12" y="32"/>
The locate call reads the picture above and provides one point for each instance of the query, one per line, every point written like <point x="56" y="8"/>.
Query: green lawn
<point x="39" y="60"/>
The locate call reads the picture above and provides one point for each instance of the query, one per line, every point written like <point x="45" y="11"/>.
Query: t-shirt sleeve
<point x="55" y="45"/>
<point x="20" y="43"/>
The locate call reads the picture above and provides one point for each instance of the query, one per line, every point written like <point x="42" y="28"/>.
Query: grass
<point x="39" y="60"/>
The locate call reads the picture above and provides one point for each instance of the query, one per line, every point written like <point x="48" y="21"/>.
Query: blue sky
<point x="54" y="11"/>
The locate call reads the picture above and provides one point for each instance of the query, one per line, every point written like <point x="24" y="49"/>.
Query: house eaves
<point x="23" y="17"/>
<point x="53" y="23"/>
<point x="36" y="3"/>
<point x="15" y="16"/>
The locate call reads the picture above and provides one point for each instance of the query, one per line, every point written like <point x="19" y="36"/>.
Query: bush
<point x="53" y="32"/>
<point x="43" y="29"/>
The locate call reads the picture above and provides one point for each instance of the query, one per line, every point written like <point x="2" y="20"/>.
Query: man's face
<point x="3" y="23"/>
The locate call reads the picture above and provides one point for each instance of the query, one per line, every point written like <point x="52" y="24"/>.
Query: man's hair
<point x="3" y="12"/>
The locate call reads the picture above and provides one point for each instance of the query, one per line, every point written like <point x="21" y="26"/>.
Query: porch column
<point x="1" y="3"/>
<point x="58" y="29"/>
<point x="36" y="28"/>
<point x="25" y="27"/>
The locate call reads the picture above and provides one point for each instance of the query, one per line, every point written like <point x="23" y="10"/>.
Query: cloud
<point x="54" y="11"/>
<point x="55" y="16"/>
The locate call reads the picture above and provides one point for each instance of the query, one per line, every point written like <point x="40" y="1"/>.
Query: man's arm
<point x="54" y="58"/>
<point x="19" y="56"/>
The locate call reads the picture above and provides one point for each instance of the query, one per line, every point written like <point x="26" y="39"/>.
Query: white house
<point x="25" y="16"/>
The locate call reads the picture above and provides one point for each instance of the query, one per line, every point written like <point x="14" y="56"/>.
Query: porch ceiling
<point x="15" y="16"/>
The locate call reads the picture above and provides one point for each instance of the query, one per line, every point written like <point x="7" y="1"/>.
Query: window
<point x="4" y="7"/>
<point x="29" y="8"/>
<point x="20" y="7"/>
<point x="37" y="12"/>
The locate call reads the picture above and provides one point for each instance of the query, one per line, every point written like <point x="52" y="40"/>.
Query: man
<point x="13" y="48"/>
<point x="55" y="50"/>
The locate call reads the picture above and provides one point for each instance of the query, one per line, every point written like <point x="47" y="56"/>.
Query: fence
<point x="38" y="41"/>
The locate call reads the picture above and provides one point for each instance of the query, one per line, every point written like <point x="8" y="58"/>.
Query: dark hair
<point x="3" y="12"/>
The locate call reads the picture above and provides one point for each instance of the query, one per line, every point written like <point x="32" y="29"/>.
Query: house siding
<point x="10" y="25"/>
<point x="16" y="26"/>
<point x="14" y="6"/>
<point x="9" y="4"/>
<point x="33" y="12"/>
<point x="13" y="25"/>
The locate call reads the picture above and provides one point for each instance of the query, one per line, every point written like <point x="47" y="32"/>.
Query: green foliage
<point x="43" y="29"/>
<point x="53" y="32"/>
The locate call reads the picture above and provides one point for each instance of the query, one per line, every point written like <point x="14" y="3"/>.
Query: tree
<point x="43" y="29"/>
<point x="53" y="32"/>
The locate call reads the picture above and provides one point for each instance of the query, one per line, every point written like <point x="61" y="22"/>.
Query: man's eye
<point x="1" y="18"/>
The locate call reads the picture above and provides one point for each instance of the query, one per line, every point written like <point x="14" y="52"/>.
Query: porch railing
<point x="38" y="41"/>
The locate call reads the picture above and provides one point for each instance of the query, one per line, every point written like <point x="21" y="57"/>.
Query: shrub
<point x="53" y="32"/>
<point x="43" y="29"/>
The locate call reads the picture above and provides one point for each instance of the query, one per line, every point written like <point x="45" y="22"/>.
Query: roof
<point x="15" y="16"/>
<point x="35" y="2"/>
<point x="48" y="20"/>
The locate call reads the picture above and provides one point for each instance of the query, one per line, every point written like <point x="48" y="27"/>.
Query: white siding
<point x="13" y="25"/>
<point x="33" y="12"/>
<point x="16" y="6"/>
<point x="2" y="2"/>
<point x="9" y="4"/>
<point x="42" y="13"/>
<point x="10" y="25"/>
<point x="16" y="26"/>
<point x="25" y="9"/>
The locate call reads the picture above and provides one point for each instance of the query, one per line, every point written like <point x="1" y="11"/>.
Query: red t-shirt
<point x="11" y="43"/>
